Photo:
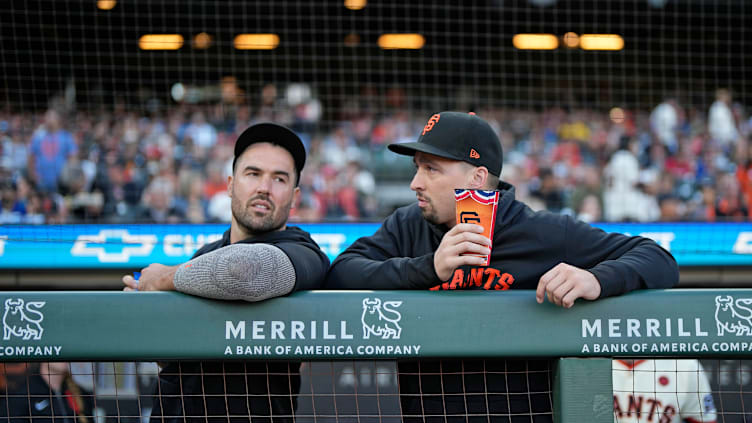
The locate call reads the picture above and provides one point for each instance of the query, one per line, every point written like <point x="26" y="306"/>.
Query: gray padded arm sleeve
<point x="250" y="272"/>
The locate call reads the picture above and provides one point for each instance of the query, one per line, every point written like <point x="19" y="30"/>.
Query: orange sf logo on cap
<point x="431" y="122"/>
<point x="474" y="154"/>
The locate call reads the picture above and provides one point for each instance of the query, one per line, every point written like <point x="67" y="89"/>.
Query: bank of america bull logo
<point x="733" y="316"/>
<point x="381" y="320"/>
<point x="23" y="320"/>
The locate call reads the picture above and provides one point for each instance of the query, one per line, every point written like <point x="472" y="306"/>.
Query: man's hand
<point x="564" y="283"/>
<point x="462" y="238"/>
<point x="155" y="277"/>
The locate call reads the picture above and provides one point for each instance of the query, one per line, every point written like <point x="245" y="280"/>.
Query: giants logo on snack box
<point x="478" y="207"/>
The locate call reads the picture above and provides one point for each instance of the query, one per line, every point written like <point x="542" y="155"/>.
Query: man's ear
<point x="295" y="197"/>
<point x="479" y="177"/>
<point x="229" y="186"/>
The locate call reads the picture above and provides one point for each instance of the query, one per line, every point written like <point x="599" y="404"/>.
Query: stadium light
<point x="401" y="41"/>
<point x="177" y="92"/>
<point x="355" y="4"/>
<point x="160" y="42"/>
<point x="617" y="115"/>
<point x="571" y="40"/>
<point x="256" y="41"/>
<point x="352" y="40"/>
<point x="601" y="42"/>
<point x="106" y="4"/>
<point x="542" y="3"/>
<point x="535" y="41"/>
<point x="202" y="41"/>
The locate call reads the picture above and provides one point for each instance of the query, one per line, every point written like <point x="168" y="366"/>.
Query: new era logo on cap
<point x="474" y="154"/>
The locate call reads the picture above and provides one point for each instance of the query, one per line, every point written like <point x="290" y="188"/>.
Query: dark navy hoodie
<point x="526" y="244"/>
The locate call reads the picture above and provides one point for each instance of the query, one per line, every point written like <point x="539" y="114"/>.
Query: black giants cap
<point x="458" y="136"/>
<point x="273" y="134"/>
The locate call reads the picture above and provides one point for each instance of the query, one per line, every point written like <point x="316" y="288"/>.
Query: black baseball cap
<point x="274" y="134"/>
<point x="457" y="136"/>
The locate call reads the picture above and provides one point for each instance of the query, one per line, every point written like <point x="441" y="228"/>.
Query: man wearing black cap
<point x="259" y="257"/>
<point x="421" y="246"/>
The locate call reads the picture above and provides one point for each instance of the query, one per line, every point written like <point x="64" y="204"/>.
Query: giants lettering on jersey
<point x="646" y="409"/>
<point x="487" y="278"/>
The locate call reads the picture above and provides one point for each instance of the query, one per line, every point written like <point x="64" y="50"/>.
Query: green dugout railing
<point x="326" y="325"/>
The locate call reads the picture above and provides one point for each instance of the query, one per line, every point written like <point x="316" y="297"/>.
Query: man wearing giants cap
<point x="421" y="246"/>
<point x="259" y="257"/>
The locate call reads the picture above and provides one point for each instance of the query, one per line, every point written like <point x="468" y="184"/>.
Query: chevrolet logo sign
<point x="94" y="245"/>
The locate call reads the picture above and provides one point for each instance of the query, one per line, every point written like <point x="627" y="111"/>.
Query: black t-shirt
<point x="252" y="391"/>
<point x="213" y="391"/>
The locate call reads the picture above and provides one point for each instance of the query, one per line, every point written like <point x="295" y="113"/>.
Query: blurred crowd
<point x="674" y="162"/>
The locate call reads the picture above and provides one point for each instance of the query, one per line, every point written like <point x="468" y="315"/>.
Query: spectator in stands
<point x="340" y="148"/>
<point x="587" y="180"/>
<point x="590" y="209"/>
<point x="201" y="132"/>
<point x="421" y="246"/>
<point x="568" y="153"/>
<point x="159" y="199"/>
<point x="672" y="209"/>
<point x="344" y="194"/>
<point x="681" y="164"/>
<point x="51" y="148"/>
<point x="702" y="205"/>
<point x="729" y="205"/>
<point x="34" y="210"/>
<point x="334" y="200"/>
<point x="216" y="182"/>
<point x="219" y="208"/>
<point x="84" y="205"/>
<point x="190" y="199"/>
<point x="48" y="393"/>
<point x="14" y="154"/>
<point x="622" y="198"/>
<point x="549" y="191"/>
<point x="308" y="208"/>
<point x="215" y="190"/>
<point x="665" y="121"/>
<point x="744" y="175"/>
<point x="11" y="209"/>
<point x="110" y="180"/>
<point x="722" y="125"/>
<point x="517" y="176"/>
<point x="259" y="257"/>
<point x="355" y="175"/>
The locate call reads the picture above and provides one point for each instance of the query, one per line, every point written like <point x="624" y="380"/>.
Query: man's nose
<point x="417" y="183"/>
<point x="265" y="184"/>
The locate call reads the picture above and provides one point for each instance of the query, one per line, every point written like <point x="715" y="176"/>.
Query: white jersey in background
<point x="661" y="391"/>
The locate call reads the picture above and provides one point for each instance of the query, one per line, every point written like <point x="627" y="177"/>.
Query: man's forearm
<point x="351" y="271"/>
<point x="250" y="272"/>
